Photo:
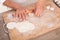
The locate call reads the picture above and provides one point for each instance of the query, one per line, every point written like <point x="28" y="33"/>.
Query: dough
<point x="11" y="25"/>
<point x="24" y="26"/>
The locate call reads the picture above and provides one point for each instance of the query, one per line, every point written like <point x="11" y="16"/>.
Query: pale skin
<point x="21" y="11"/>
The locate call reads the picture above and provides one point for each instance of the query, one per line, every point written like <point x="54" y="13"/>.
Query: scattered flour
<point x="50" y="25"/>
<point x="9" y="16"/>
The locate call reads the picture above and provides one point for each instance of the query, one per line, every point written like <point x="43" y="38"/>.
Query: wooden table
<point x="15" y="35"/>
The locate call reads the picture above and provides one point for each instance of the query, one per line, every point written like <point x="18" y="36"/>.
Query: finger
<point x="23" y="15"/>
<point x="41" y="12"/>
<point x="13" y="14"/>
<point x="27" y="11"/>
<point x="36" y="13"/>
<point x="17" y="13"/>
<point x="20" y="17"/>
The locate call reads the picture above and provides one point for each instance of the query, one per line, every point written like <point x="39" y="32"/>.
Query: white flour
<point x="9" y="16"/>
<point x="51" y="25"/>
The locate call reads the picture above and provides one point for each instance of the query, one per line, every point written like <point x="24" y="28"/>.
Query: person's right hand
<point x="21" y="13"/>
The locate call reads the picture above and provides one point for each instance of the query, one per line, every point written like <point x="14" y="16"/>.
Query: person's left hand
<point x="39" y="9"/>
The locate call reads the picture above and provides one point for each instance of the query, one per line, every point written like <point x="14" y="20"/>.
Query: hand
<point x="21" y="13"/>
<point x="39" y="9"/>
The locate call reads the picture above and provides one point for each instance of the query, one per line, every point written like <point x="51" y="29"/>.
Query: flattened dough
<point x="24" y="26"/>
<point x="11" y="25"/>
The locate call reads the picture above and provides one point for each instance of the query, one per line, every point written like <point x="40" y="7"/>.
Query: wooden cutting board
<point x="40" y="30"/>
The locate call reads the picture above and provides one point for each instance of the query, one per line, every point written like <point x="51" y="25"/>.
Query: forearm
<point x="12" y="4"/>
